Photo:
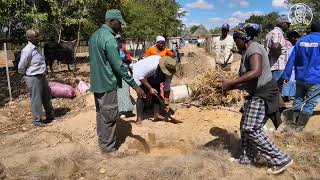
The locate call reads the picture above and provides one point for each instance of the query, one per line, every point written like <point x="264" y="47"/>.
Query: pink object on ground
<point x="61" y="90"/>
<point x="161" y="90"/>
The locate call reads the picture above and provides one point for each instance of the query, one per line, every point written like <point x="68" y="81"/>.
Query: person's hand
<point x="140" y="92"/>
<point x="285" y="82"/>
<point x="234" y="50"/>
<point x="153" y="91"/>
<point x="225" y="85"/>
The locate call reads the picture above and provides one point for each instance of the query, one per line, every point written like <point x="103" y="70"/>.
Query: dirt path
<point x="197" y="145"/>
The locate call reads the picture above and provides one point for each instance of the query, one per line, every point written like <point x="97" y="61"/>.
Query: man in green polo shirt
<point x="106" y="71"/>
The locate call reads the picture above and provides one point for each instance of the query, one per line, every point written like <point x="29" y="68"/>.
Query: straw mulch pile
<point x="206" y="90"/>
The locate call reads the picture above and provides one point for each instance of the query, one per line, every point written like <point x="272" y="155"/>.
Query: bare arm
<point x="255" y="72"/>
<point x="276" y="49"/>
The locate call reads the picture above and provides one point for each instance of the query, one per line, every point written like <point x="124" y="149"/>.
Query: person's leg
<point x="34" y="85"/>
<point x="313" y="94"/>
<point x="46" y="100"/>
<point x="248" y="153"/>
<point x="140" y="108"/>
<point x="255" y="119"/>
<point x="276" y="75"/>
<point x="156" y="112"/>
<point x="107" y="116"/>
<point x="299" y="97"/>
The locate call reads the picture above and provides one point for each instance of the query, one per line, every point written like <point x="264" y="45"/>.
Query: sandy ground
<point x="198" y="144"/>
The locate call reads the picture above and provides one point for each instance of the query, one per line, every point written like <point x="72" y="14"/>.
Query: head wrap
<point x="160" y="38"/>
<point x="247" y="31"/>
<point x="226" y="26"/>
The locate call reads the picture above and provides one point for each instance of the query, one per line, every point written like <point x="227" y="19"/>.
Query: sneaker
<point x="279" y="169"/>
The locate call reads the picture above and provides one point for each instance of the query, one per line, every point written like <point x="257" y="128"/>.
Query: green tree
<point x="268" y="22"/>
<point x="193" y="28"/>
<point x="15" y="15"/>
<point x="216" y="30"/>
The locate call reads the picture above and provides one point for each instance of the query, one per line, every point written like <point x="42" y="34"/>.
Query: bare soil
<point x="197" y="144"/>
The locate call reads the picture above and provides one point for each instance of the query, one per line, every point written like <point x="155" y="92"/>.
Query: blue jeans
<point x="277" y="76"/>
<point x="304" y="92"/>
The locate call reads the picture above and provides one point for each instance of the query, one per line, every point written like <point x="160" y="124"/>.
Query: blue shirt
<point x="305" y="58"/>
<point x="32" y="62"/>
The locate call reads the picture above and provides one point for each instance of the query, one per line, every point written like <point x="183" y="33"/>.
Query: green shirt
<point x="106" y="66"/>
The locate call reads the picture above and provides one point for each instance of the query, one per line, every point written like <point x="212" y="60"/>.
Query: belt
<point x="36" y="75"/>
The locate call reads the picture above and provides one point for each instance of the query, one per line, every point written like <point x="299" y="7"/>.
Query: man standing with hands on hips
<point x="106" y="72"/>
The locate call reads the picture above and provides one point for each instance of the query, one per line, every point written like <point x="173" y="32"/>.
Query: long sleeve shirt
<point x="32" y="62"/>
<point x="305" y="59"/>
<point x="106" y="66"/>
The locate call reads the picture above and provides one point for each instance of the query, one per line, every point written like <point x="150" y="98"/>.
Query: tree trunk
<point x="59" y="35"/>
<point x="137" y="46"/>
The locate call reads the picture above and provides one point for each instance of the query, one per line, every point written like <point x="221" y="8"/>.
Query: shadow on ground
<point x="225" y="140"/>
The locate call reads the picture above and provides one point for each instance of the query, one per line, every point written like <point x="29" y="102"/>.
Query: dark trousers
<point x="40" y="94"/>
<point x="107" y="116"/>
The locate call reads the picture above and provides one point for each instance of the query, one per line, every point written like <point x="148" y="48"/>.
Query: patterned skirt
<point x="124" y="99"/>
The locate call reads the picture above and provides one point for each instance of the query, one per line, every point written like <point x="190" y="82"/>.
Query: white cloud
<point x="200" y="4"/>
<point x="280" y="3"/>
<point x="244" y="3"/>
<point x="194" y="23"/>
<point x="216" y="19"/>
<point x="239" y="17"/>
<point x="241" y="3"/>
<point x="184" y="10"/>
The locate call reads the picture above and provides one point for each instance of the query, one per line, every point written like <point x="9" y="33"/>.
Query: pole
<point x="7" y="69"/>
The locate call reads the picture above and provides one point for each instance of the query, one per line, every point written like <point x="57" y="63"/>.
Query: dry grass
<point x="19" y="114"/>
<point x="207" y="92"/>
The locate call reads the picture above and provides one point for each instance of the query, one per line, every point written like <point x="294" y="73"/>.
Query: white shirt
<point x="147" y="67"/>
<point x="222" y="49"/>
<point x="31" y="61"/>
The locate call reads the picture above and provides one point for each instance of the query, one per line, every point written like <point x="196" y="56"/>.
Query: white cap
<point x="160" y="38"/>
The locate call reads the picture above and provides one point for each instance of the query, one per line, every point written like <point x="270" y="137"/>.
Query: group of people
<point x="263" y="70"/>
<point x="109" y="63"/>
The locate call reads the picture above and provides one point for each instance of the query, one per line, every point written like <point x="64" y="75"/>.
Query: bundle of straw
<point x="206" y="90"/>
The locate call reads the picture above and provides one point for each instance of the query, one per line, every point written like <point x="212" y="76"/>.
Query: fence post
<point x="7" y="69"/>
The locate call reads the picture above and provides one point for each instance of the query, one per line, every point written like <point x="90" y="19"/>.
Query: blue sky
<point x="213" y="13"/>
